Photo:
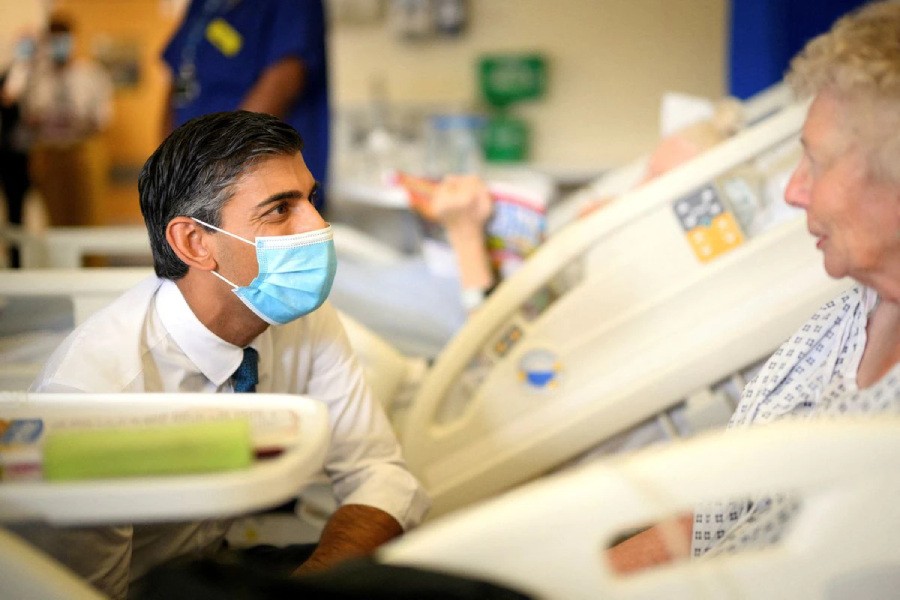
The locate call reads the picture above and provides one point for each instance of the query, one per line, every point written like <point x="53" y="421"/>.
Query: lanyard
<point x="187" y="88"/>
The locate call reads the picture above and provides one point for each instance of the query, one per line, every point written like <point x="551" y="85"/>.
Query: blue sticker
<point x="539" y="369"/>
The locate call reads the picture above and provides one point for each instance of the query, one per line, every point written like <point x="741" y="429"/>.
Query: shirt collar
<point x="214" y="357"/>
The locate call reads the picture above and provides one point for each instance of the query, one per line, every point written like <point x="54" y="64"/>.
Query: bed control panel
<point x="507" y="340"/>
<point x="710" y="229"/>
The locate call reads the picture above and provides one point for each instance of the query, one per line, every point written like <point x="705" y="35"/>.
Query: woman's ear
<point x="188" y="240"/>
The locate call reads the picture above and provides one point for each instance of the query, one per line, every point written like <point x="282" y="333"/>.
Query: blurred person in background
<point x="65" y="102"/>
<point x="14" y="179"/>
<point x="264" y="56"/>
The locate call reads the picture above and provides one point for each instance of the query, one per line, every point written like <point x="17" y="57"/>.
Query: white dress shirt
<point x="149" y="340"/>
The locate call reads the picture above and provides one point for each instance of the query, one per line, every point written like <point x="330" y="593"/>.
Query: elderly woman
<point x="846" y="358"/>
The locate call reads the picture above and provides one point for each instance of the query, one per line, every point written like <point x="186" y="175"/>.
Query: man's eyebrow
<point x="275" y="198"/>
<point x="287" y="195"/>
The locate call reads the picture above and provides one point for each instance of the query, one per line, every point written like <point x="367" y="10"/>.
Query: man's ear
<point x="189" y="241"/>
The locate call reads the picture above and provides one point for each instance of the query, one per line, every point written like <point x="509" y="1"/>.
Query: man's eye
<point x="314" y="196"/>
<point x="280" y="209"/>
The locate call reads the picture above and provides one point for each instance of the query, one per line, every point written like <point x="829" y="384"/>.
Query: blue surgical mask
<point x="295" y="274"/>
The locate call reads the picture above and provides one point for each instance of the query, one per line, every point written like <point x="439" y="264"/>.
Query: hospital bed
<point x="620" y="318"/>
<point x="299" y="424"/>
<point x="41" y="306"/>
<point x="44" y="305"/>
<point x="68" y="247"/>
<point x="414" y="303"/>
<point x="548" y="538"/>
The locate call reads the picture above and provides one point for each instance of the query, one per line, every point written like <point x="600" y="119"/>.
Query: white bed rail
<point x="32" y="575"/>
<point x="547" y="538"/>
<point x="299" y="423"/>
<point x="767" y="102"/>
<point x="67" y="247"/>
<point x="618" y="180"/>
<point x="88" y="289"/>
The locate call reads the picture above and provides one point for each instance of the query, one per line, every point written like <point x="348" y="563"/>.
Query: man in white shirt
<point x="244" y="263"/>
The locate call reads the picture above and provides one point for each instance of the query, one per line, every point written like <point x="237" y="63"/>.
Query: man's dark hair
<point x="194" y="170"/>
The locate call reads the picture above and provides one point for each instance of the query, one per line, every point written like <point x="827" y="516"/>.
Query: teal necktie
<point x="247" y="376"/>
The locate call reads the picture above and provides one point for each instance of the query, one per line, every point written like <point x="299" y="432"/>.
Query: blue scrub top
<point x="268" y="31"/>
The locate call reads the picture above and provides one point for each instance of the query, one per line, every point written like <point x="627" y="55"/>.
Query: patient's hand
<point x="663" y="543"/>
<point x="456" y="201"/>
<point x="461" y="202"/>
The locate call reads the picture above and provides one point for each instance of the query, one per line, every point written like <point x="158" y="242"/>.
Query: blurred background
<point x="583" y="79"/>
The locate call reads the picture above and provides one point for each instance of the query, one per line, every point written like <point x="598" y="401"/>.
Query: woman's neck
<point x="882" y="350"/>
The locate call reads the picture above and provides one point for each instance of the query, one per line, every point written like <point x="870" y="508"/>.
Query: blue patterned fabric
<point x="812" y="375"/>
<point x="246" y="376"/>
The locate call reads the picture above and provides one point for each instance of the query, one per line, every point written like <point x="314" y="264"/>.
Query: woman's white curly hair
<point x="858" y="61"/>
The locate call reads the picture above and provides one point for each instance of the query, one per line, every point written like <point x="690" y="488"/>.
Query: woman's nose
<point x="797" y="192"/>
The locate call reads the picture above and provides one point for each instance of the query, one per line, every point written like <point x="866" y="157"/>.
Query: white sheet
<point x="405" y="303"/>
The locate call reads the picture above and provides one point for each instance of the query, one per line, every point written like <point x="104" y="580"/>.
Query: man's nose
<point x="309" y="219"/>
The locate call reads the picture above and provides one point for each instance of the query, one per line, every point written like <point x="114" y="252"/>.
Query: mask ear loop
<point x="234" y="235"/>
<point x="222" y="277"/>
<point x="246" y="241"/>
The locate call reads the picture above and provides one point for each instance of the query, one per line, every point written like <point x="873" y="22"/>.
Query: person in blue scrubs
<point x="264" y="56"/>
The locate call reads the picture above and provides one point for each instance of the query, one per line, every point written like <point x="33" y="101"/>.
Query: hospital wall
<point x="609" y="62"/>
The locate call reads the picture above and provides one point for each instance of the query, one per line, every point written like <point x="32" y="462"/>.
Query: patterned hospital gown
<point x="811" y="375"/>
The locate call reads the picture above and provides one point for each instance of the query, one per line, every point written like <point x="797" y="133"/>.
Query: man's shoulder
<point x="129" y="305"/>
<point x="104" y="352"/>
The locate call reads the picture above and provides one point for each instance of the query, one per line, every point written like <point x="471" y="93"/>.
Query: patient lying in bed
<point x="463" y="204"/>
